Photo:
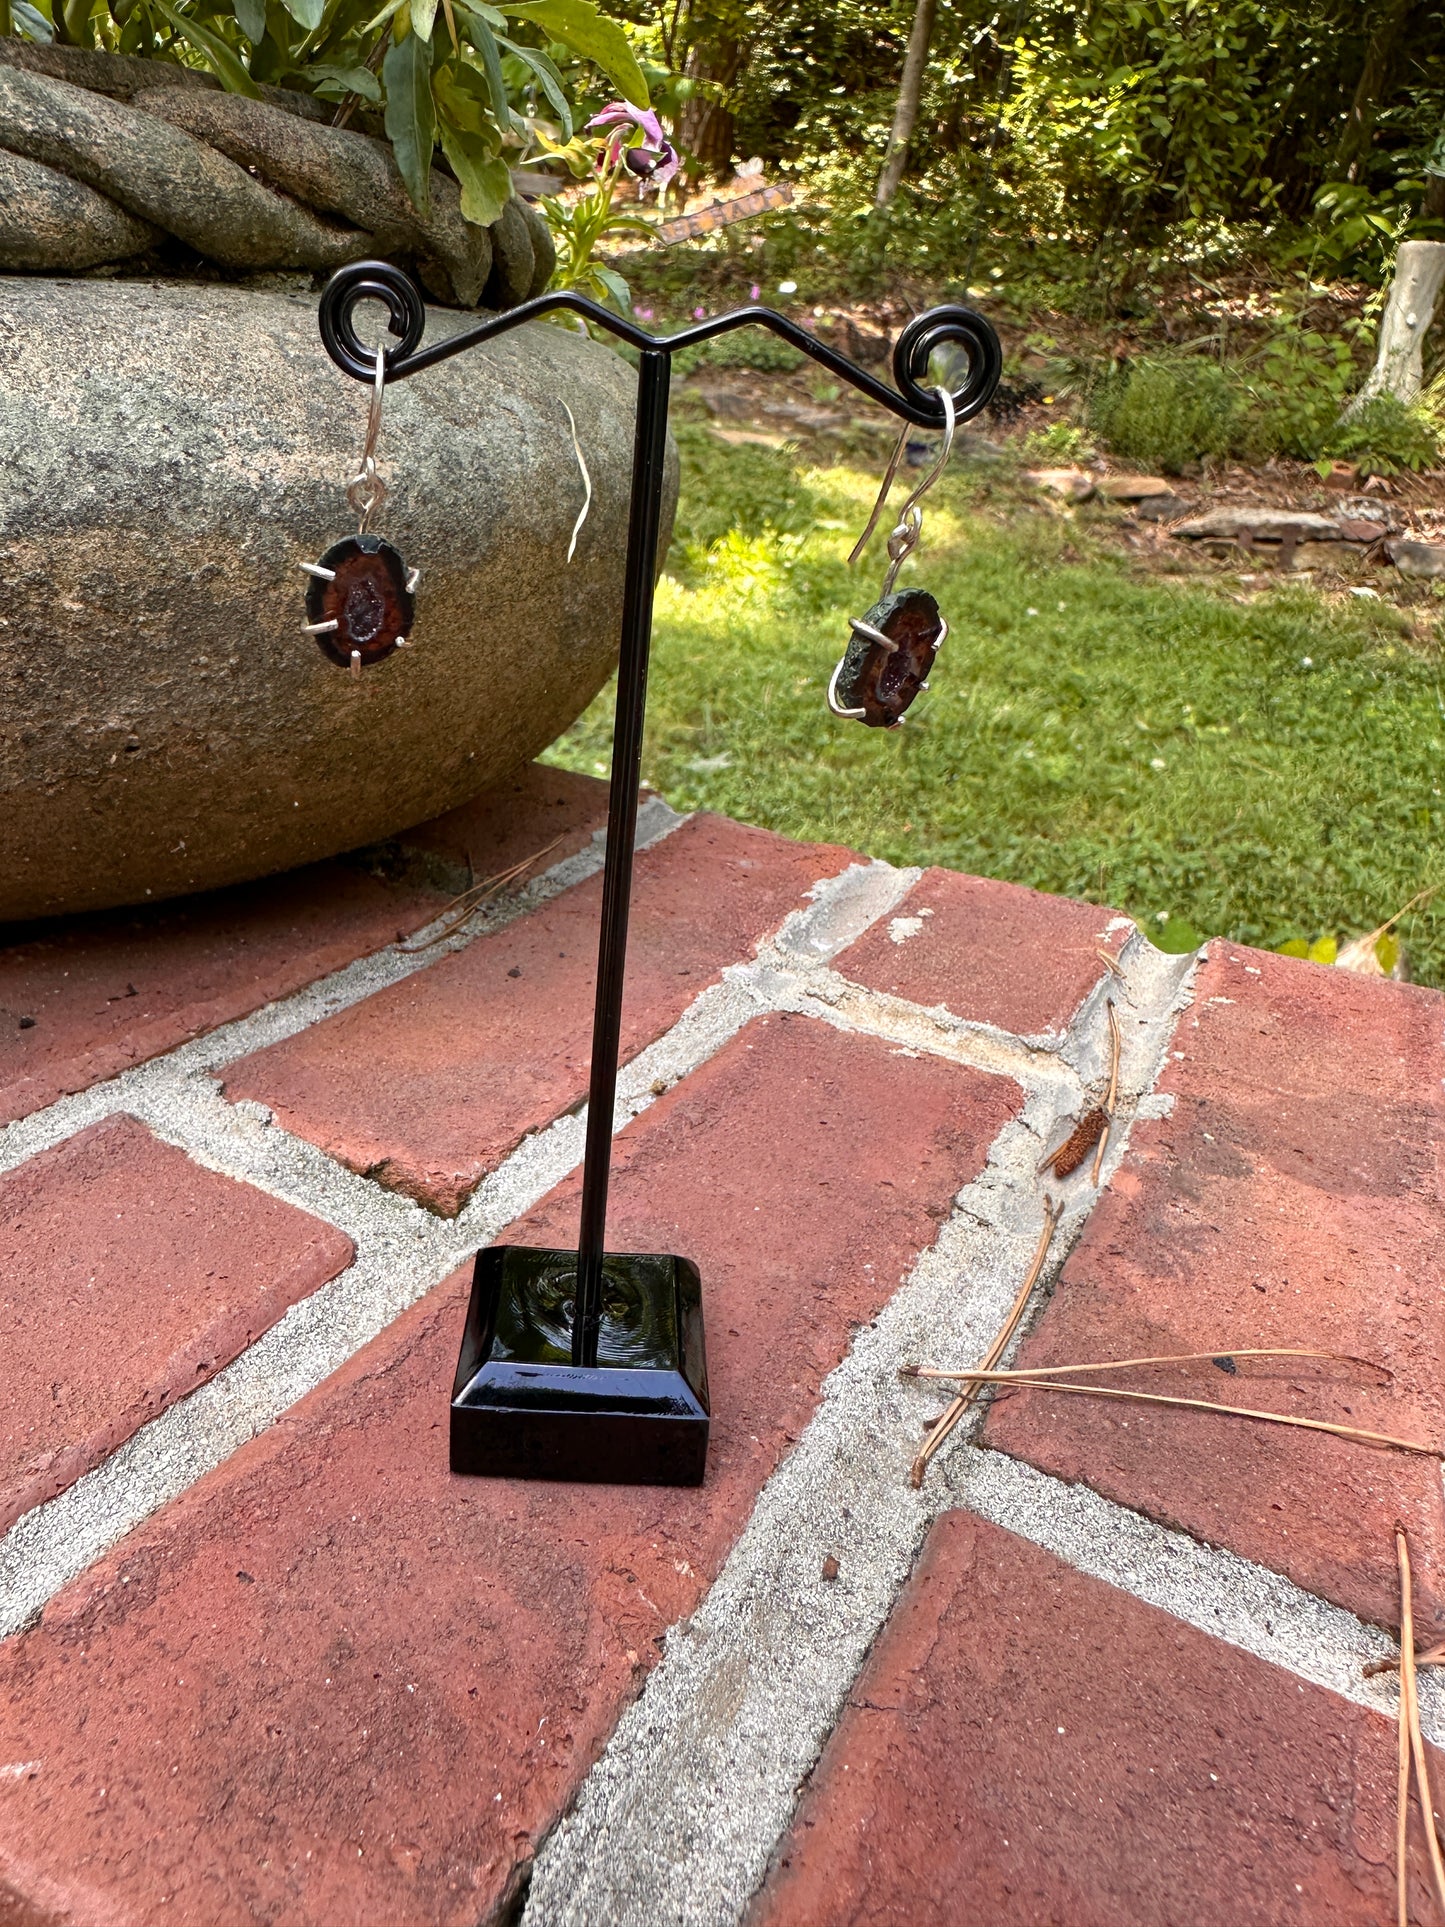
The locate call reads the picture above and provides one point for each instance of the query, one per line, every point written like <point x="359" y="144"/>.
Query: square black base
<point x="522" y="1410"/>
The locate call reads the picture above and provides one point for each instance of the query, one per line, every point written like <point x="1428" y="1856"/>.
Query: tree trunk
<point x="1386" y="33"/>
<point x="910" y="92"/>
<point x="1399" y="362"/>
<point x="706" y="130"/>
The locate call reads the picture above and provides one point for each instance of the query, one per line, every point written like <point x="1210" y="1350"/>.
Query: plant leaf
<point x="32" y="20"/>
<point x="464" y="101"/>
<point x="224" y="63"/>
<point x="591" y="34"/>
<point x="484" y="40"/>
<point x="336" y="82"/>
<point x="618" y="291"/>
<point x="251" y="19"/>
<point x="411" y="115"/>
<point x="306" y="13"/>
<point x="380" y="19"/>
<point x="548" y="79"/>
<point x="484" y="178"/>
<point x="423" y="13"/>
<point x="1323" y="950"/>
<point x="1387" y="951"/>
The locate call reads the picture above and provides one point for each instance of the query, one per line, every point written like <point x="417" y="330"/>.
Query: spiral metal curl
<point x="370" y="281"/>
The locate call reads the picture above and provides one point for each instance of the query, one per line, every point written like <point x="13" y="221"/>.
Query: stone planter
<point x="172" y="454"/>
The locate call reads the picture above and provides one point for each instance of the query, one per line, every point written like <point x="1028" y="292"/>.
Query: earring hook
<point x="366" y="491"/>
<point x="904" y="539"/>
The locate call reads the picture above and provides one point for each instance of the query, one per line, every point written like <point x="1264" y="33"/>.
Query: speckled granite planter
<point x="172" y="453"/>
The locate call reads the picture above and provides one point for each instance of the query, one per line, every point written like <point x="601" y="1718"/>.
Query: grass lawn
<point x="1268" y="770"/>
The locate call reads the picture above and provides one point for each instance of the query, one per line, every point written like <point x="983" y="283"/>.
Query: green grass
<point x="1267" y="772"/>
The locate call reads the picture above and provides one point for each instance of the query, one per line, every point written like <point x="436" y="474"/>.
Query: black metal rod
<point x="912" y="399"/>
<point x="649" y="465"/>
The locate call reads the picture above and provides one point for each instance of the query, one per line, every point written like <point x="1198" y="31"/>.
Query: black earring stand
<point x="591" y="1364"/>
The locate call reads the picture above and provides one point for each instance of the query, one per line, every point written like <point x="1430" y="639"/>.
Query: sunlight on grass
<point x="1268" y="773"/>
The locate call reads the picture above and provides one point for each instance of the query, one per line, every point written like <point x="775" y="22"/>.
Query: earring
<point x="893" y="647"/>
<point x="360" y="601"/>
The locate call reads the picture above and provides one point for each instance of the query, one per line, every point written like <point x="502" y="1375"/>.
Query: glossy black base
<point x="522" y="1410"/>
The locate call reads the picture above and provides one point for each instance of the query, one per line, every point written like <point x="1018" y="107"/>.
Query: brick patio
<point x="262" y="1658"/>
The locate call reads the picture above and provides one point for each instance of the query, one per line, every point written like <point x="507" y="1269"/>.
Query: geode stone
<point x="367" y="599"/>
<point x="882" y="682"/>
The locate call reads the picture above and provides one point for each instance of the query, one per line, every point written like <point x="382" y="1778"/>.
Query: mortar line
<point x="402" y="1252"/>
<point x="676" y="1821"/>
<point x="312" y="1003"/>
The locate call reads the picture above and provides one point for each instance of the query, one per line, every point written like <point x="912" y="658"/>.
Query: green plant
<point x="442" y="72"/>
<point x="1385" y="435"/>
<point x="1059" y="442"/>
<point x="1168" y="413"/>
<point x="635" y="145"/>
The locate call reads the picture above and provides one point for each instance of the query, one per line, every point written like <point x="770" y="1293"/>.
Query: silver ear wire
<point x="904" y="539"/>
<point x="366" y="491"/>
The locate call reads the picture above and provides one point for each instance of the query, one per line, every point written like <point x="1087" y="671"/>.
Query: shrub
<point x="1290" y="399"/>
<point x="1165" y="413"/>
<point x="1386" y="435"/>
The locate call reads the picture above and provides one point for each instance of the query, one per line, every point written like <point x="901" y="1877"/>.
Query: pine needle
<point x="1163" y="1358"/>
<point x="471" y="900"/>
<point x="1410" y="1716"/>
<point x="1038" y="1382"/>
<point x="1112" y="961"/>
<point x="1112" y="1098"/>
<point x="958" y="1406"/>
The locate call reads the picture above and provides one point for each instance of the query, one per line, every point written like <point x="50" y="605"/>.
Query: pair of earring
<point x="892" y="648"/>
<point x="361" y="599"/>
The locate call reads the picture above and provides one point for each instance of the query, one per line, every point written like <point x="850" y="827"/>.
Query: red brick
<point x="989" y="952"/>
<point x="1292" y="1198"/>
<point x="97" y="994"/>
<point x="335" y="1682"/>
<point x="540" y="813"/>
<point x="1030" y="1748"/>
<point x="428" y="1085"/>
<point x="128" y="1276"/>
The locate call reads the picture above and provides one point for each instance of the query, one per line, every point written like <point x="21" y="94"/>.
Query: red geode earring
<point x="893" y="647"/>
<point x="359" y="602"/>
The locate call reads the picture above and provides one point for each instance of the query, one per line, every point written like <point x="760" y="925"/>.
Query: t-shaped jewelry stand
<point x="591" y="1364"/>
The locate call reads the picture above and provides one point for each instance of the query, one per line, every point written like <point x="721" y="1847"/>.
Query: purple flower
<point x="755" y="293"/>
<point x="652" y="156"/>
<point x="699" y="314"/>
<point x="643" y="314"/>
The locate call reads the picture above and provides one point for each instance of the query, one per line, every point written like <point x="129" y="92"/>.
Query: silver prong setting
<point x="849" y="715"/>
<point x="413" y="576"/>
<point x="320" y="628"/>
<point x="322" y="575"/>
<point x="870" y="634"/>
<point x="356" y="664"/>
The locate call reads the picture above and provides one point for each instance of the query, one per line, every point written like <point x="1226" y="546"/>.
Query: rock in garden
<point x="172" y="455"/>
<point x="1161" y="508"/>
<point x="1264" y="524"/>
<point x="1359" y="529"/>
<point x="1416" y="558"/>
<point x="1132" y="488"/>
<point x="1072" y="483"/>
<point x="1335" y="558"/>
